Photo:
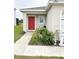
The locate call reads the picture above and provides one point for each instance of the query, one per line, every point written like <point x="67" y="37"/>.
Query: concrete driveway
<point x="22" y="48"/>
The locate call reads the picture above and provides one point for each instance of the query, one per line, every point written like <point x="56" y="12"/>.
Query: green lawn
<point x="29" y="57"/>
<point x="18" y="32"/>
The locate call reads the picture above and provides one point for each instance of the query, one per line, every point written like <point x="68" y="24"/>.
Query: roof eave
<point x="31" y="10"/>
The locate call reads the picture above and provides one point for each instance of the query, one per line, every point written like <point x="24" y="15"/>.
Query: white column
<point x="24" y="22"/>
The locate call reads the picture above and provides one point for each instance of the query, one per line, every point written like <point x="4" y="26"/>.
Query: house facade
<point x="51" y="16"/>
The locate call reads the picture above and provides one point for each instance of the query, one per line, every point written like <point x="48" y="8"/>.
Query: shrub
<point x="21" y="21"/>
<point x="17" y="21"/>
<point x="43" y="36"/>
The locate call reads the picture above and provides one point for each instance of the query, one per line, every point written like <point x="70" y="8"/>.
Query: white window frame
<point x="41" y="24"/>
<point x="42" y="18"/>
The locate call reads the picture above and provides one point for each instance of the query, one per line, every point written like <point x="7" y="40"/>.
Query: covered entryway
<point x="31" y="22"/>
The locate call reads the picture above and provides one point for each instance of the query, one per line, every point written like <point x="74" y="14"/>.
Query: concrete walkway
<point x="22" y="48"/>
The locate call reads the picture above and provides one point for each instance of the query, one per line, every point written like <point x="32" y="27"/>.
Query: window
<point x="41" y="20"/>
<point x="62" y="23"/>
<point x="62" y="19"/>
<point x="62" y="15"/>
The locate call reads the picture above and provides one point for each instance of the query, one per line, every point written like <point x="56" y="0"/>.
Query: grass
<point x="18" y="32"/>
<point x="30" y="57"/>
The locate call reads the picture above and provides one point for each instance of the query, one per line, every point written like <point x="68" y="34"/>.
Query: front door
<point x="31" y="22"/>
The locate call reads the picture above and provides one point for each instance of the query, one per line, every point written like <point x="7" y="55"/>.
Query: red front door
<point x="31" y="22"/>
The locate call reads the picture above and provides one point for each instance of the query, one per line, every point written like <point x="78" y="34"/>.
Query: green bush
<point x="42" y="36"/>
<point x="17" y="21"/>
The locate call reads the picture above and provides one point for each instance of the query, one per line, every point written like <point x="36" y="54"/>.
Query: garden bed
<point x="42" y="37"/>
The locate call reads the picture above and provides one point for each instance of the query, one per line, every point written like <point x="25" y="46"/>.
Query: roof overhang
<point x="42" y="10"/>
<point x="54" y="2"/>
<point x="30" y="10"/>
<point x="34" y="12"/>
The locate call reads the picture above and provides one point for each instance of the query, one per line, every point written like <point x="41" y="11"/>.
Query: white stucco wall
<point x="53" y="17"/>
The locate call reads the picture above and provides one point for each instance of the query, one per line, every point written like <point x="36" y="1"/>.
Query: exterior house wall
<point x="53" y="17"/>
